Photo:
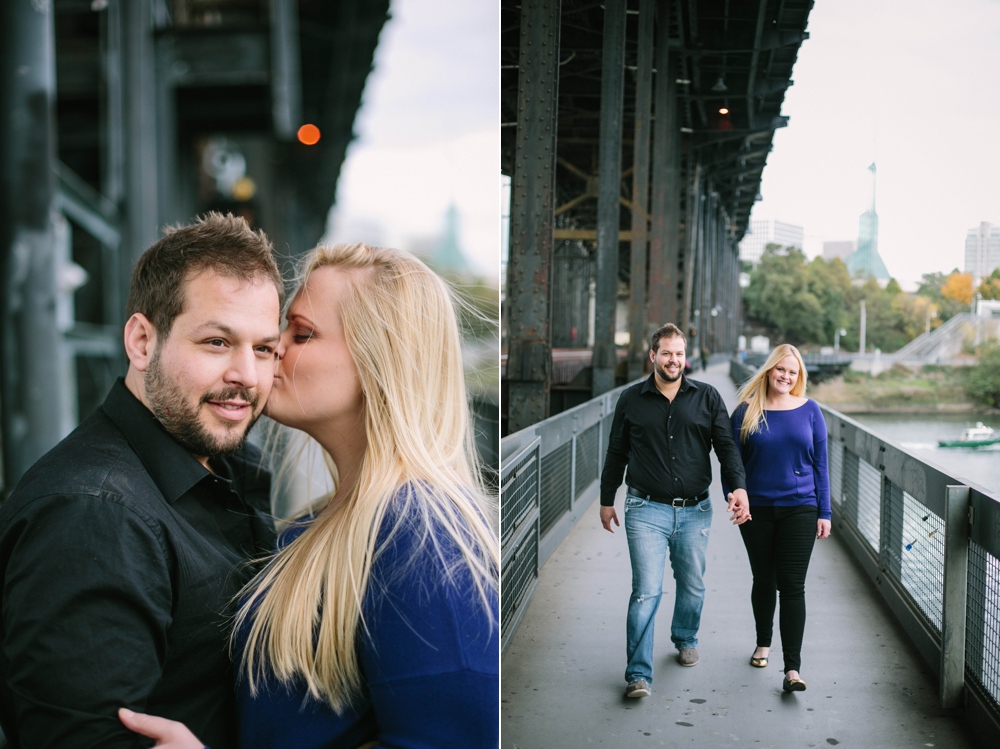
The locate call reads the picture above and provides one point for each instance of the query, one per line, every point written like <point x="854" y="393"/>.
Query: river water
<point x="919" y="434"/>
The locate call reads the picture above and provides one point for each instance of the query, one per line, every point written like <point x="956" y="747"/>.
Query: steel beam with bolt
<point x="33" y="378"/>
<point x="638" y="311"/>
<point x="529" y="272"/>
<point x="659" y="283"/>
<point x="609" y="161"/>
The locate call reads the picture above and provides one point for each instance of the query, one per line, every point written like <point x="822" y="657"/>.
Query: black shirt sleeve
<point x="733" y="475"/>
<point x="617" y="456"/>
<point x="86" y="607"/>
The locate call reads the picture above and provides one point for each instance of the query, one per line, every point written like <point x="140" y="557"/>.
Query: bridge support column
<point x="529" y="273"/>
<point x="638" y="315"/>
<point x="608" y="196"/>
<point x="691" y="229"/>
<point x="956" y="576"/>
<point x="663" y="223"/>
<point x="35" y="379"/>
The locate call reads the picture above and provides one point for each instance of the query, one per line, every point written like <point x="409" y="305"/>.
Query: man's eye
<point x="216" y="342"/>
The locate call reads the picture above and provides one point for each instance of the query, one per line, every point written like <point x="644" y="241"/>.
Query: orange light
<point x="723" y="110"/>
<point x="308" y="135"/>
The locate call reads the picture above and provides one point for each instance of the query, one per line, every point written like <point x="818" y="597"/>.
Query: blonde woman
<point x="782" y="439"/>
<point x="375" y="622"/>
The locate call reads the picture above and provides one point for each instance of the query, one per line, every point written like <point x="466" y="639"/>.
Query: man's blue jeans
<point x="653" y="528"/>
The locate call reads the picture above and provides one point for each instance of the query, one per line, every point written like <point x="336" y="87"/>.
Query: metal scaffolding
<point x="664" y="108"/>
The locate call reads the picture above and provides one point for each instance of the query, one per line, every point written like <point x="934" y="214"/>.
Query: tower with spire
<point x="866" y="262"/>
<point x="447" y="256"/>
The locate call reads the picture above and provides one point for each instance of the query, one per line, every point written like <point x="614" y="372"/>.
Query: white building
<point x="842" y="249"/>
<point x="982" y="251"/>
<point x="765" y="231"/>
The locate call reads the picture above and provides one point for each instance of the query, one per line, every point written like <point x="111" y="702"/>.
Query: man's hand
<point x="608" y="514"/>
<point x="822" y="529"/>
<point x="169" y="734"/>
<point x="739" y="505"/>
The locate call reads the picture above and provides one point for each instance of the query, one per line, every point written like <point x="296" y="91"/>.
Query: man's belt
<point x="672" y="501"/>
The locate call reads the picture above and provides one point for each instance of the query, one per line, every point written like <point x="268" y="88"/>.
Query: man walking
<point x="663" y="430"/>
<point x="121" y="549"/>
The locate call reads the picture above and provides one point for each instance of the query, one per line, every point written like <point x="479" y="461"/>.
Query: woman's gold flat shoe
<point x="793" y="685"/>
<point x="758" y="662"/>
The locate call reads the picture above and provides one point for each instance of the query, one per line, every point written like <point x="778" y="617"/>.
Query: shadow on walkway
<point x="563" y="674"/>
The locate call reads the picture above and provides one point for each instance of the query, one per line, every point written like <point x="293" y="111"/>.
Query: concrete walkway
<point x="563" y="674"/>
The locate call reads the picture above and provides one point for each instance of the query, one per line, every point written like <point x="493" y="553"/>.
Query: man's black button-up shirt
<point x="666" y="444"/>
<point x="120" y="555"/>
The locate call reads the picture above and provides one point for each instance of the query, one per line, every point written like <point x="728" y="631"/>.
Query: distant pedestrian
<point x="705" y="354"/>
<point x="783" y="440"/>
<point x="662" y="431"/>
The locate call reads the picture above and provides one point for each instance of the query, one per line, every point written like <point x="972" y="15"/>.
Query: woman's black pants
<point x="779" y="542"/>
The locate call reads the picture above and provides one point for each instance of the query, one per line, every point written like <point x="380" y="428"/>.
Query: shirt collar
<point x="649" y="386"/>
<point x="173" y="469"/>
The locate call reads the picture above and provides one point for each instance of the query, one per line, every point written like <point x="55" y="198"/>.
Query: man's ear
<point x="140" y="341"/>
<point x="652" y="356"/>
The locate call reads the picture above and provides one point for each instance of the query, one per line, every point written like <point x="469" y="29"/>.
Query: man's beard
<point x="662" y="372"/>
<point x="181" y="421"/>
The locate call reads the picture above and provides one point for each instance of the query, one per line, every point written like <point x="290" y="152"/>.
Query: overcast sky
<point x="428" y="132"/>
<point x="913" y="85"/>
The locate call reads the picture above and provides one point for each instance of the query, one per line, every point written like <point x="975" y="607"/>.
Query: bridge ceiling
<point x="732" y="54"/>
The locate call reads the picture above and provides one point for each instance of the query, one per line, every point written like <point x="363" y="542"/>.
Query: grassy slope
<point x="899" y="389"/>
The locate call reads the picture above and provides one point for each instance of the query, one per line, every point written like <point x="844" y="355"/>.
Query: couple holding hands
<point x="145" y="595"/>
<point x="773" y="454"/>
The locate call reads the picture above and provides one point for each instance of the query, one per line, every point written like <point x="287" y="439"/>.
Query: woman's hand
<point x="168" y="733"/>
<point x="822" y="529"/>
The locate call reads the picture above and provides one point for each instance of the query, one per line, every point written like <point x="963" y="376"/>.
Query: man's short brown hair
<point x="667" y="331"/>
<point x="225" y="244"/>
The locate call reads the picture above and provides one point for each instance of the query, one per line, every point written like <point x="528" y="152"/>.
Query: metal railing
<point x="550" y="474"/>
<point x="930" y="542"/>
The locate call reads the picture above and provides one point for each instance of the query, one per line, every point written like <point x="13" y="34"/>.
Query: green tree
<point x="894" y="318"/>
<point x="930" y="287"/>
<point x="982" y="381"/>
<point x="830" y="283"/>
<point x="779" y="296"/>
<point x="990" y="287"/>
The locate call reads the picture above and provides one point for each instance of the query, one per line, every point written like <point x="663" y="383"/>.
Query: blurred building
<point x="125" y="116"/>
<point x="842" y="249"/>
<point x="763" y="232"/>
<point x="982" y="251"/>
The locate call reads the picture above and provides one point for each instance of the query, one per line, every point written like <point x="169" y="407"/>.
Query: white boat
<point x="977" y="436"/>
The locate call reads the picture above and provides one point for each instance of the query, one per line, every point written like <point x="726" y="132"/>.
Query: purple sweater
<point x="785" y="461"/>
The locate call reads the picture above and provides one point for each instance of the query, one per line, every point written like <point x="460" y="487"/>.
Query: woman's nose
<point x="283" y="343"/>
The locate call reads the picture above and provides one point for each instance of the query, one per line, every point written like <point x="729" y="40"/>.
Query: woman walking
<point x="782" y="439"/>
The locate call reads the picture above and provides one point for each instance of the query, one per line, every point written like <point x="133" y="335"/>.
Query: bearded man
<point x="663" y="430"/>
<point x="122" y="548"/>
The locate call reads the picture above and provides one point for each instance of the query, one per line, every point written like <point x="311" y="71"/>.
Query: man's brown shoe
<point x="687" y="657"/>
<point x="637" y="688"/>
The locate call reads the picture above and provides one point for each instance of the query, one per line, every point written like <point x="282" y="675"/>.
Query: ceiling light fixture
<point x="720" y="85"/>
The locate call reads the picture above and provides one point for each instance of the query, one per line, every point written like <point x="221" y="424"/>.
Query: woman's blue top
<point x="785" y="460"/>
<point x="430" y="662"/>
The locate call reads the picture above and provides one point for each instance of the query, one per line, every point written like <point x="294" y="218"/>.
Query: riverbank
<point x="897" y="391"/>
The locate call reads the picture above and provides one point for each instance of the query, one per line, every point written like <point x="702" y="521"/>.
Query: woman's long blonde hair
<point x="754" y="390"/>
<point x="303" y="611"/>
